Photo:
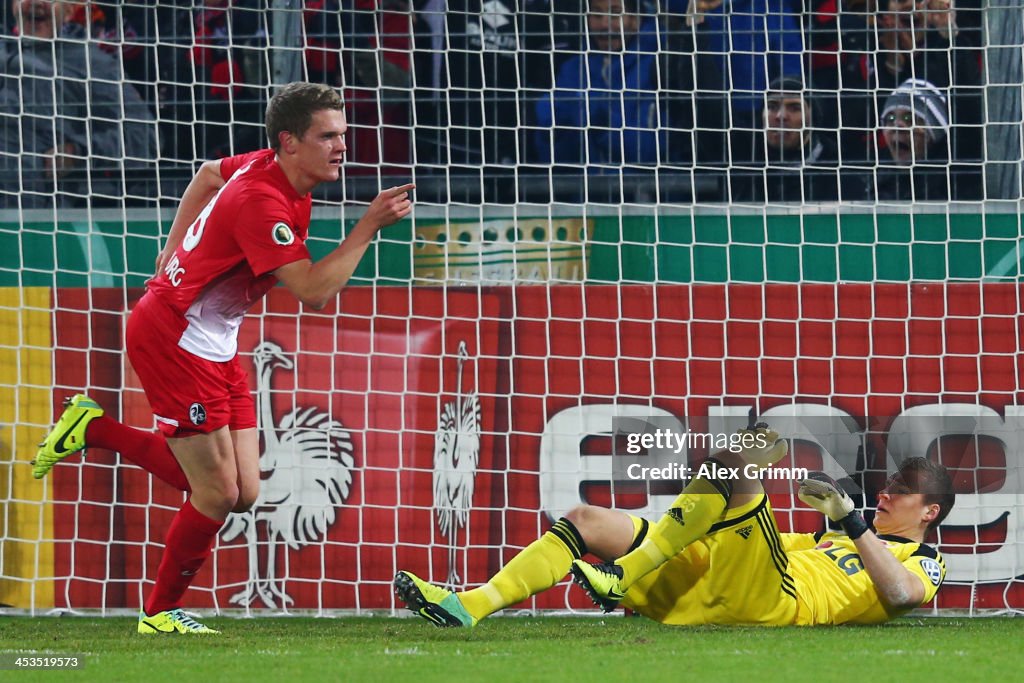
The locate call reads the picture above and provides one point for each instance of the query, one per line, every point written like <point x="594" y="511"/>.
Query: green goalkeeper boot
<point x="437" y="605"/>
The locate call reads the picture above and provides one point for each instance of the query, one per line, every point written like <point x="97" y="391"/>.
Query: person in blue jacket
<point x="753" y="43"/>
<point x="625" y="103"/>
<point x="603" y="111"/>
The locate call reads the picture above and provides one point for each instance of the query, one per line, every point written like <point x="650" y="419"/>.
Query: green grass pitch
<point x="574" y="649"/>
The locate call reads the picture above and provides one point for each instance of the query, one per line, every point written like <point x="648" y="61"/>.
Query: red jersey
<point x="255" y="224"/>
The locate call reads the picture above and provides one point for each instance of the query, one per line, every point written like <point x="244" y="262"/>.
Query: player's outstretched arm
<point x="824" y="494"/>
<point x="315" y="284"/>
<point x="204" y="184"/>
<point x="387" y="208"/>
<point x="896" y="586"/>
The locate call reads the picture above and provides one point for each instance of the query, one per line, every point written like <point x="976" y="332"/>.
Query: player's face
<point x="899" y="511"/>
<point x="322" y="149"/>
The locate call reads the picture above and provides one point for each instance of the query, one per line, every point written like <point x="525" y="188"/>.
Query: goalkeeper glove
<point x="823" y="493"/>
<point x="761" y="445"/>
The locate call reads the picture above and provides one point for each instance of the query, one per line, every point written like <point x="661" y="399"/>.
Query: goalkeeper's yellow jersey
<point x="832" y="585"/>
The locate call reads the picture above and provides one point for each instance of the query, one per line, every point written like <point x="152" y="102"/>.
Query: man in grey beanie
<point x="914" y="159"/>
<point x="915" y="123"/>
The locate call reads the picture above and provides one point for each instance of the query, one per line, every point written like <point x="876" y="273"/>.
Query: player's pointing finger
<point x="395" y="191"/>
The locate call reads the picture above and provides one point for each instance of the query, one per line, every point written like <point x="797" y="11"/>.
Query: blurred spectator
<point x="916" y="41"/>
<point x="604" y="107"/>
<point x="754" y="42"/>
<point x="850" y="99"/>
<point x="821" y="40"/>
<point x="480" y="66"/>
<point x="112" y="26"/>
<point x="227" y="64"/>
<point x="377" y="79"/>
<point x="67" y="118"/>
<point x="919" y="41"/>
<point x="625" y="102"/>
<point x="322" y="23"/>
<point x="833" y="28"/>
<point x="130" y="32"/>
<point x="914" y="162"/>
<point x="795" y="160"/>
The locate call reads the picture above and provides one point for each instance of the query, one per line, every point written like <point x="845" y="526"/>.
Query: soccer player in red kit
<point x="240" y="228"/>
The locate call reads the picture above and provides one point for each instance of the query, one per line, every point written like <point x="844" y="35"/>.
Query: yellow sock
<point x="538" y="567"/>
<point x="691" y="515"/>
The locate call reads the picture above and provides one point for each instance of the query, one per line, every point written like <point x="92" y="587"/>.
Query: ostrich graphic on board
<point x="456" y="454"/>
<point x="306" y="468"/>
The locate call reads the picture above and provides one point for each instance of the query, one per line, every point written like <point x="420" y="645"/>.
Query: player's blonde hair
<point x="291" y="109"/>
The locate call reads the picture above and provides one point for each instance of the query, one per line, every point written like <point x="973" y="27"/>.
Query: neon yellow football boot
<point x="602" y="582"/>
<point x="437" y="605"/>
<point x="171" y="621"/>
<point x="68" y="435"/>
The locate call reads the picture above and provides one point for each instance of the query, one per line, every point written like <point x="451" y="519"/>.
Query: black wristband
<point x="854" y="525"/>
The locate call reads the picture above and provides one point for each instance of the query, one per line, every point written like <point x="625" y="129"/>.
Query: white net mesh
<point x="717" y="207"/>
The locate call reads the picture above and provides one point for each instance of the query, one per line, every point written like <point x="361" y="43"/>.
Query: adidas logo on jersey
<point x="746" y="531"/>
<point x="676" y="514"/>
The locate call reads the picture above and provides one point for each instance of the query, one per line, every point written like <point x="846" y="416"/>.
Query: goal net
<point x="626" y="213"/>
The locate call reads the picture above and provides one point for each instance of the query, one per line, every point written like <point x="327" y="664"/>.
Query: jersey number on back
<point x="195" y="231"/>
<point x="174" y="269"/>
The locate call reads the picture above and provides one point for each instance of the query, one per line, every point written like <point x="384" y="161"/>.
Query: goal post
<point x="464" y="392"/>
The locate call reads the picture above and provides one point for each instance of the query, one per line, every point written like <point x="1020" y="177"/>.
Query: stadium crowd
<point x="732" y="100"/>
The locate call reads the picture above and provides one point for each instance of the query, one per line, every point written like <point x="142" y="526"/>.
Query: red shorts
<point x="188" y="394"/>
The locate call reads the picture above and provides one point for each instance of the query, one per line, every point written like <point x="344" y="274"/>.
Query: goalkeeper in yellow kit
<point x="717" y="557"/>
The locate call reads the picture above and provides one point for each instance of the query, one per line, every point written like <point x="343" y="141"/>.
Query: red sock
<point x="148" y="450"/>
<point x="188" y="544"/>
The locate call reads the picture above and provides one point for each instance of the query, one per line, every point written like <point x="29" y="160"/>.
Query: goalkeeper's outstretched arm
<point x="897" y="587"/>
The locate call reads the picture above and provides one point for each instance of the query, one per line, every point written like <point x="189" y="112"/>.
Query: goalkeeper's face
<point x="39" y="18"/>
<point x="900" y="511"/>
